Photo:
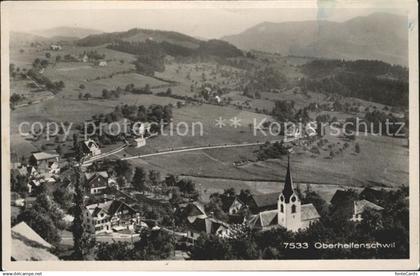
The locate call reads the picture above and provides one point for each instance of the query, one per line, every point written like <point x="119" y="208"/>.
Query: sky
<point x="201" y="20"/>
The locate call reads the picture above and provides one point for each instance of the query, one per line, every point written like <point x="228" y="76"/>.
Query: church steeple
<point x="288" y="183"/>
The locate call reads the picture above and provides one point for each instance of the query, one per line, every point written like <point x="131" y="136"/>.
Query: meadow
<point x="382" y="161"/>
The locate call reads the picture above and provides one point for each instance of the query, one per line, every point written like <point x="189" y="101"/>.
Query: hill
<point x="151" y="46"/>
<point x="378" y="36"/>
<point x="140" y="35"/>
<point x="21" y="38"/>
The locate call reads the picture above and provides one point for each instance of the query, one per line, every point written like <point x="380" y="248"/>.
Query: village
<point x="113" y="182"/>
<point x="119" y="203"/>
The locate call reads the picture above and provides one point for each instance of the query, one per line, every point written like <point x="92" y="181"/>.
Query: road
<point x="198" y="148"/>
<point x="102" y="155"/>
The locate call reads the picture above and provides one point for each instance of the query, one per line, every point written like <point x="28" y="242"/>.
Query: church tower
<point x="289" y="205"/>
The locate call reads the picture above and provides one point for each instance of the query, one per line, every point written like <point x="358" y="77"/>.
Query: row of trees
<point x="43" y="80"/>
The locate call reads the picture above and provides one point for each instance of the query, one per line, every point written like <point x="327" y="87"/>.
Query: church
<point x="290" y="212"/>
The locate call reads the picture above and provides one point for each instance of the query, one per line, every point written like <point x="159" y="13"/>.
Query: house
<point x="263" y="202"/>
<point x="33" y="184"/>
<point x="290" y="212"/>
<point x="90" y="148"/>
<point x="102" y="63"/>
<point x="198" y="222"/>
<point x="85" y="58"/>
<point x="231" y="204"/>
<point x="27" y="245"/>
<point x="45" y="162"/>
<point x="55" y="47"/>
<point x="96" y="182"/>
<point x="17" y="200"/>
<point x="139" y="142"/>
<point x="371" y="194"/>
<point x="113" y="215"/>
<point x="339" y="197"/>
<point x="101" y="219"/>
<point x="142" y="130"/>
<point x="88" y="222"/>
<point x="359" y="206"/>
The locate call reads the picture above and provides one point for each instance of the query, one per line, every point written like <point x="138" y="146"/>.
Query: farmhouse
<point x="85" y="58"/>
<point x="55" y="47"/>
<point x="45" y="162"/>
<point x="139" y="142"/>
<point x="290" y="213"/>
<point x="113" y="215"/>
<point x="97" y="182"/>
<point x="359" y="206"/>
<point x="198" y="222"/>
<point x="90" y="148"/>
<point x="232" y="205"/>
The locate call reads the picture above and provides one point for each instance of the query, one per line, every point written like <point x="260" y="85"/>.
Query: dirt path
<point x="198" y="149"/>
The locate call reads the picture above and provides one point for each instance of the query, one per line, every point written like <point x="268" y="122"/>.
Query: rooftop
<point x="27" y="245"/>
<point x="309" y="212"/>
<point x="45" y="155"/>
<point x="361" y="205"/>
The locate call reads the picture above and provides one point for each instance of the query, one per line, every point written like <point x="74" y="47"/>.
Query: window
<point x="293" y="198"/>
<point x="281" y="208"/>
<point x="293" y="208"/>
<point x="281" y="198"/>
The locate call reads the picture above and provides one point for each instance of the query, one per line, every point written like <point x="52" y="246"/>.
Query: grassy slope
<point x="382" y="160"/>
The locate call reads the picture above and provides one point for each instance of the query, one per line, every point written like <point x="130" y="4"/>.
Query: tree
<point x="82" y="86"/>
<point x="75" y="139"/>
<point x="63" y="197"/>
<point x="19" y="184"/>
<point x="170" y="180"/>
<point x="87" y="96"/>
<point x="59" y="150"/>
<point x="154" y="177"/>
<point x="47" y="55"/>
<point x="168" y="91"/>
<point x="83" y="240"/>
<point x="154" y="245"/>
<point x="210" y="247"/>
<point x="215" y="207"/>
<point x="80" y="95"/>
<point x="41" y="223"/>
<point x="44" y="217"/>
<point x="58" y="59"/>
<point x="139" y="179"/>
<point x="120" y="251"/>
<point x="357" y="148"/>
<point x="147" y="88"/>
<point x="105" y="94"/>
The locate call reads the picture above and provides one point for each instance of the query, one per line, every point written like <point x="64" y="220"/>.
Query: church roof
<point x="263" y="219"/>
<point x="308" y="212"/>
<point x="268" y="218"/>
<point x="288" y="183"/>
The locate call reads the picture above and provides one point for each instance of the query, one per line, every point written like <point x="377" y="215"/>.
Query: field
<point x="382" y="161"/>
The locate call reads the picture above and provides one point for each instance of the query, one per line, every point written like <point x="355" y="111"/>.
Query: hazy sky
<point x="199" y="20"/>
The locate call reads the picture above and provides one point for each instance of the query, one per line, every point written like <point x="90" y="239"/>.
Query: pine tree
<point x="83" y="239"/>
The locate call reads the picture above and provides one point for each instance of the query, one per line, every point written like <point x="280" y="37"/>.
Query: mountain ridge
<point x="379" y="36"/>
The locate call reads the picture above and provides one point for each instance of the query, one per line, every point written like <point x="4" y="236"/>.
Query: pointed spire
<point x="288" y="183"/>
